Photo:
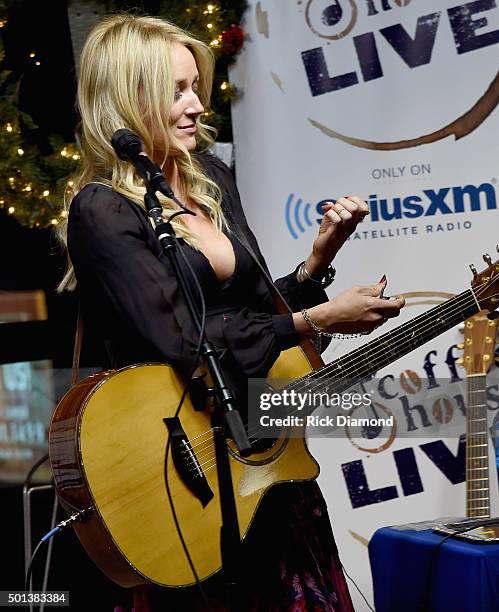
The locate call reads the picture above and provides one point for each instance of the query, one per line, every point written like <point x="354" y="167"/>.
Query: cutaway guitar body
<point x="109" y="454"/>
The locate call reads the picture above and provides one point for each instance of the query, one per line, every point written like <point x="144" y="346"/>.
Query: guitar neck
<point x="477" y="448"/>
<point x="361" y="363"/>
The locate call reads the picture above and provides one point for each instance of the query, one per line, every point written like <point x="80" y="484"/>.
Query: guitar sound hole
<point x="260" y="445"/>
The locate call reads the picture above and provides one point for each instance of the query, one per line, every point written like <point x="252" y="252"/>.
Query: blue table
<point x="465" y="576"/>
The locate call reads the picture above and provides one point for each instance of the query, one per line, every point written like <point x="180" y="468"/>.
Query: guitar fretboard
<point x="359" y="364"/>
<point x="477" y="448"/>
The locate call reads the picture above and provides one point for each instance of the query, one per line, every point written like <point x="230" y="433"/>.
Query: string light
<point x="2" y="23"/>
<point x="12" y="210"/>
<point x="27" y="188"/>
<point x="224" y="85"/>
<point x="46" y="193"/>
<point x="70" y="183"/>
<point x="64" y="214"/>
<point x="32" y="55"/>
<point x="64" y="153"/>
<point x="209" y="26"/>
<point x="75" y="156"/>
<point x="54" y="221"/>
<point x="37" y="63"/>
<point x="12" y="180"/>
<point x="20" y="152"/>
<point x="8" y="127"/>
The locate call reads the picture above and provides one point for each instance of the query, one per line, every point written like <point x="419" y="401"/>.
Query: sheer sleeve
<point x="112" y="244"/>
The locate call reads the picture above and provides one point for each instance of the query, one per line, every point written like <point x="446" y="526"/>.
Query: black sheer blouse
<point x="131" y="300"/>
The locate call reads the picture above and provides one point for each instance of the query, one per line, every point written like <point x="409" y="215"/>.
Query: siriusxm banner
<point x="395" y="101"/>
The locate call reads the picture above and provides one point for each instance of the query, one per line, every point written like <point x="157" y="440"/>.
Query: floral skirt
<point x="289" y="562"/>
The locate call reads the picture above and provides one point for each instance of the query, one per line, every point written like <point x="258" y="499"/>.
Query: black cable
<point x="425" y="599"/>
<point x="178" y="213"/>
<point x="29" y="571"/>
<point x="355" y="585"/>
<point x="177" y="411"/>
<point x="26" y="483"/>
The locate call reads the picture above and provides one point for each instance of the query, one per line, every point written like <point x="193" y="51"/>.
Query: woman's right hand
<point x="355" y="310"/>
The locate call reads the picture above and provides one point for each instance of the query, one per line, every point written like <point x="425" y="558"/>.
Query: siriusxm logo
<point x="296" y="215"/>
<point x="443" y="201"/>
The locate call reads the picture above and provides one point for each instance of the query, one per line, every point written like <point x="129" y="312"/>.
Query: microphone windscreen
<point x="126" y="144"/>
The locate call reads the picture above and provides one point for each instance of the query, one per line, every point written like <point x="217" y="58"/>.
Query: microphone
<point x="128" y="147"/>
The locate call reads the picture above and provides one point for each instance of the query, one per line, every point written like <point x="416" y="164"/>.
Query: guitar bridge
<point x="186" y="463"/>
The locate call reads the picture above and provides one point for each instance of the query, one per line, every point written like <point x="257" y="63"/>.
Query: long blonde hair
<point x="125" y="80"/>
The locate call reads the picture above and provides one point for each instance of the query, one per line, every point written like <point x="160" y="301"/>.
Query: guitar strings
<point x="314" y="378"/>
<point x="457" y="304"/>
<point x="454" y="305"/>
<point x="400" y="329"/>
<point x="473" y="456"/>
<point x="476" y="502"/>
<point x="477" y="460"/>
<point x="213" y="465"/>
<point x="203" y="452"/>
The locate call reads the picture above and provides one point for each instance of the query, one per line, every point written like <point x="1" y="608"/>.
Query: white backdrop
<point x="392" y="100"/>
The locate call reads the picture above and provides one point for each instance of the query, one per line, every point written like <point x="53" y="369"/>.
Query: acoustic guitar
<point x="479" y="348"/>
<point x="108" y="438"/>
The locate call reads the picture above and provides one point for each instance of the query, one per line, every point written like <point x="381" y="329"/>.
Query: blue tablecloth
<point x="465" y="576"/>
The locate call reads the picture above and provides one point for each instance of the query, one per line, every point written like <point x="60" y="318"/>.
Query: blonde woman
<point x="149" y="76"/>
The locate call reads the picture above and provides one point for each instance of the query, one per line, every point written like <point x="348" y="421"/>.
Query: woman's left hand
<point x="339" y="221"/>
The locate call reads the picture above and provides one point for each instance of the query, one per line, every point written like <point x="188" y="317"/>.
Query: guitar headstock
<point x="479" y="343"/>
<point x="486" y="284"/>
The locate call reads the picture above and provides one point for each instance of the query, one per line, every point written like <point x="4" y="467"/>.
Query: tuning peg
<point x="460" y="346"/>
<point x="460" y="361"/>
<point x="473" y="270"/>
<point x="487" y="259"/>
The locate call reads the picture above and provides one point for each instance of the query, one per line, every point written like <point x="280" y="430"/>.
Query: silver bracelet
<point x="319" y="333"/>
<point x="302" y="274"/>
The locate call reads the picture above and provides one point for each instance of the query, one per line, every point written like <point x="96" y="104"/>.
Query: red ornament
<point x="232" y="40"/>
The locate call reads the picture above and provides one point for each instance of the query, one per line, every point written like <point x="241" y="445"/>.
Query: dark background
<point x="32" y="258"/>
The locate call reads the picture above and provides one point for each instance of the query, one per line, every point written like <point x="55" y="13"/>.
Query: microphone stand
<point x="226" y="420"/>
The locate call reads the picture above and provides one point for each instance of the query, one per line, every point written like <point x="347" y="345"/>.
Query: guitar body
<point x="107" y="447"/>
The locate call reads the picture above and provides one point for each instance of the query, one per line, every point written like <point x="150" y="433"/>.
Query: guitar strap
<point x="77" y="346"/>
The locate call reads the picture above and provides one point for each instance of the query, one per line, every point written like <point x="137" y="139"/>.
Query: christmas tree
<point x="33" y="182"/>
